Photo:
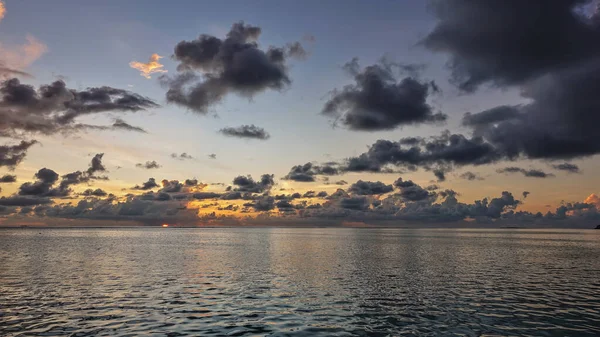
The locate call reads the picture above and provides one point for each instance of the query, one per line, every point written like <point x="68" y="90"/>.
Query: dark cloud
<point x="470" y="176"/>
<point x="12" y="155"/>
<point x="493" y="51"/>
<point x="150" y="184"/>
<point x="205" y="195"/>
<point x="359" y="203"/>
<point x="322" y="194"/>
<point x="370" y="188"/>
<point x="94" y="193"/>
<point x="181" y="156"/>
<point x="248" y="184"/>
<point x="525" y="194"/>
<point x="235" y="64"/>
<point x="439" y="174"/>
<point x="568" y="167"/>
<point x="8" y="178"/>
<point x="120" y="124"/>
<point x="191" y="182"/>
<point x="148" y="165"/>
<point x="442" y="152"/>
<point x="534" y="173"/>
<point x="308" y="171"/>
<point x="411" y="192"/>
<point x="246" y="131"/>
<point x="171" y="186"/>
<point x="44" y="185"/>
<point x="19" y="200"/>
<point x="262" y="204"/>
<point x="212" y="156"/>
<point x="96" y="164"/>
<point x="559" y="122"/>
<point x="379" y="101"/>
<point x="54" y="108"/>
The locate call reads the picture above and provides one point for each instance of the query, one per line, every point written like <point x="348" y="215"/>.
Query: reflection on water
<point x="299" y="282"/>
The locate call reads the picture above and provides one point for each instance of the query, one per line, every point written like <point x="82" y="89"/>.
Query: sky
<point x="425" y="113"/>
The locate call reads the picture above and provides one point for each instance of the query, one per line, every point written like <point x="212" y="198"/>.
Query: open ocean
<point x="299" y="282"/>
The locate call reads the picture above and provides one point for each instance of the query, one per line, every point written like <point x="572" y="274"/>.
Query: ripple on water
<point x="298" y="282"/>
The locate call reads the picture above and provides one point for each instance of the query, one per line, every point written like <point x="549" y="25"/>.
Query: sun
<point x="165" y="225"/>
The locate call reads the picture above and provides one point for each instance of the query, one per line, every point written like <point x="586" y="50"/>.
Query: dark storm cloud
<point x="54" y="108"/>
<point x="12" y="155"/>
<point x="8" y="178"/>
<point x="248" y="184"/>
<point x="370" y="188"/>
<point x="148" y="165"/>
<point x="559" y="122"/>
<point x="470" y="176"/>
<point x="181" y="156"/>
<point x="122" y="125"/>
<point x="534" y="173"/>
<point x="235" y="64"/>
<point x="568" y="167"/>
<point x="359" y="203"/>
<point x="380" y="101"/>
<point x="246" y="131"/>
<point x="308" y="171"/>
<point x="150" y="184"/>
<point x="517" y="40"/>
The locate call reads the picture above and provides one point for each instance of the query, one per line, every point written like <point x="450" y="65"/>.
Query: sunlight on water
<point x="299" y="282"/>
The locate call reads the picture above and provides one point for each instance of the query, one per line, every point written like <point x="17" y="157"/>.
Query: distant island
<point x="598" y="227"/>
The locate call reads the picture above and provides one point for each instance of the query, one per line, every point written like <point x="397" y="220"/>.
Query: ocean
<point x="299" y="282"/>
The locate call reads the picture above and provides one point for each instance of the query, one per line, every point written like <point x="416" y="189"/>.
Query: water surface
<point x="299" y="282"/>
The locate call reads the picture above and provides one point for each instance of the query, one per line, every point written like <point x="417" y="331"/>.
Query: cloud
<point x="380" y="101"/>
<point x="568" y="167"/>
<point x="150" y="184"/>
<point x="525" y="194"/>
<point x="370" y="188"/>
<point x="181" y="156"/>
<point x="442" y="152"/>
<point x="534" y="173"/>
<point x="411" y="192"/>
<point x="15" y="59"/>
<point x="211" y="68"/>
<point x="153" y="66"/>
<point x="54" y="108"/>
<point x="439" y="174"/>
<point x="96" y="164"/>
<point x="248" y="184"/>
<point x="246" y="131"/>
<point x="148" y="165"/>
<point x="558" y="122"/>
<point x="94" y="193"/>
<point x="120" y="124"/>
<point x="2" y="10"/>
<point x="212" y="156"/>
<point x="491" y="51"/>
<point x="44" y="185"/>
<point x="12" y="155"/>
<point x="308" y="171"/>
<point x="17" y="200"/>
<point x="468" y="175"/>
<point x="8" y="178"/>
<point x="593" y="199"/>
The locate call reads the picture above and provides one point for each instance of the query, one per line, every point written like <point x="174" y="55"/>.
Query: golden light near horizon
<point x="165" y="225"/>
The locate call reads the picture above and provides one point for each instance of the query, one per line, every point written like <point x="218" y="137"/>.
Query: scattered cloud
<point x="568" y="167"/>
<point x="534" y="173"/>
<point x="210" y="68"/>
<point x="153" y="66"/>
<point x="182" y="156"/>
<point x="12" y="155"/>
<point x="468" y="175"/>
<point x="150" y="184"/>
<point x="8" y="178"/>
<point x="2" y="10"/>
<point x="380" y="101"/>
<point x="212" y="156"/>
<point x="120" y="124"/>
<point x="308" y="172"/>
<point x="246" y="131"/>
<point x="148" y="165"/>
